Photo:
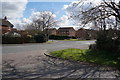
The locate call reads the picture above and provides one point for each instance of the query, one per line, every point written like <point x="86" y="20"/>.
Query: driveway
<point x="28" y="61"/>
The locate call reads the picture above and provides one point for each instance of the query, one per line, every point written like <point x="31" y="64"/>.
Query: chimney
<point x="5" y="18"/>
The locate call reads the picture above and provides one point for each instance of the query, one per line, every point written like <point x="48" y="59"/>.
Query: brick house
<point x="52" y="31"/>
<point x="66" y="31"/>
<point x="81" y="33"/>
<point x="92" y="33"/>
<point x="86" y="33"/>
<point x="6" y="25"/>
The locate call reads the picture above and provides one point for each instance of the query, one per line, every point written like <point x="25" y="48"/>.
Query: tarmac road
<point x="28" y="61"/>
<point x="55" y="45"/>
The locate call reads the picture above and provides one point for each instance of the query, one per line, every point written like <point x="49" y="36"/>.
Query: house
<point x="82" y="33"/>
<point x="6" y="25"/>
<point x="86" y="33"/>
<point x="66" y="31"/>
<point x="52" y="31"/>
<point x="92" y="33"/>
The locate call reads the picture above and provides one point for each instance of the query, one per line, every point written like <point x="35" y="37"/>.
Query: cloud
<point x="35" y="15"/>
<point x="64" y="20"/>
<point x="26" y="21"/>
<point x="76" y="7"/>
<point x="65" y="6"/>
<point x="13" y="9"/>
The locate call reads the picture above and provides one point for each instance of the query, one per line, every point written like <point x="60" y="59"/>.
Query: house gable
<point x="66" y="31"/>
<point x="6" y="25"/>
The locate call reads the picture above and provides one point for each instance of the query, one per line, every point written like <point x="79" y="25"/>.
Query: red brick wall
<point x="5" y="29"/>
<point x="81" y="33"/>
<point x="84" y="34"/>
<point x="52" y="32"/>
<point x="72" y="32"/>
<point x="69" y="32"/>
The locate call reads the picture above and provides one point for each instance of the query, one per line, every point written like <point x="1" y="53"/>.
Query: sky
<point x="55" y="7"/>
<point x="20" y="12"/>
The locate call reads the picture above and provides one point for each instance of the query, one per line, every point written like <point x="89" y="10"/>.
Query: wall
<point x="82" y="33"/>
<point x="72" y="32"/>
<point x="52" y="32"/>
<point x="5" y="29"/>
<point x="66" y="32"/>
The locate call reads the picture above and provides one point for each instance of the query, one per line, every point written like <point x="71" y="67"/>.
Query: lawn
<point x="101" y="57"/>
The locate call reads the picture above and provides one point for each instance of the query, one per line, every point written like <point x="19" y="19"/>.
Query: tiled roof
<point x="4" y="22"/>
<point x="52" y="29"/>
<point x="66" y="28"/>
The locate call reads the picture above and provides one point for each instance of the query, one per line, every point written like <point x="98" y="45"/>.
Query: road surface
<point x="28" y="61"/>
<point x="55" y="45"/>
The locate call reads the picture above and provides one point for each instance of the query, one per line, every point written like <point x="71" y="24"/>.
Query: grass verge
<point x="49" y="41"/>
<point x="101" y="57"/>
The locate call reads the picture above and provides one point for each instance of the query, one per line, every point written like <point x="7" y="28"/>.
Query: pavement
<point x="28" y="61"/>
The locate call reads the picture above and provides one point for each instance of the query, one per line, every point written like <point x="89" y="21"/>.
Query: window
<point x="9" y="28"/>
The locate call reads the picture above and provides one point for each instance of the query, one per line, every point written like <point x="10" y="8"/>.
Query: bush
<point x="107" y="41"/>
<point x="40" y="38"/>
<point x="11" y="38"/>
<point x="27" y="38"/>
<point x="16" y="38"/>
<point x="93" y="47"/>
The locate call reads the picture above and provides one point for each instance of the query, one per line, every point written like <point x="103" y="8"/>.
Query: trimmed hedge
<point x="40" y="38"/>
<point x="15" y="38"/>
<point x="11" y="40"/>
<point x="26" y="39"/>
<point x="55" y="37"/>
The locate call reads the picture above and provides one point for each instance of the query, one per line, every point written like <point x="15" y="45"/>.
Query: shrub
<point x="40" y="37"/>
<point x="93" y="47"/>
<point x="15" y="38"/>
<point x="107" y="41"/>
<point x="26" y="38"/>
<point x="11" y="38"/>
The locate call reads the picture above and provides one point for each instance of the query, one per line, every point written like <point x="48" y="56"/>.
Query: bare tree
<point x="102" y="14"/>
<point x="105" y="15"/>
<point x="43" y="21"/>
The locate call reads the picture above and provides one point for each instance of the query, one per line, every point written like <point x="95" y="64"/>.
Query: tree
<point x="105" y="16"/>
<point x="43" y="21"/>
<point x="102" y="15"/>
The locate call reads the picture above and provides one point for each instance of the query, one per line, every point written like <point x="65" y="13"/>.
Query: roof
<point x="52" y="29"/>
<point x="65" y="28"/>
<point x="4" y="22"/>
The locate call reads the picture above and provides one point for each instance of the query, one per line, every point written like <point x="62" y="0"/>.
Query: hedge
<point x="55" y="37"/>
<point x="11" y="40"/>
<point x="40" y="38"/>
